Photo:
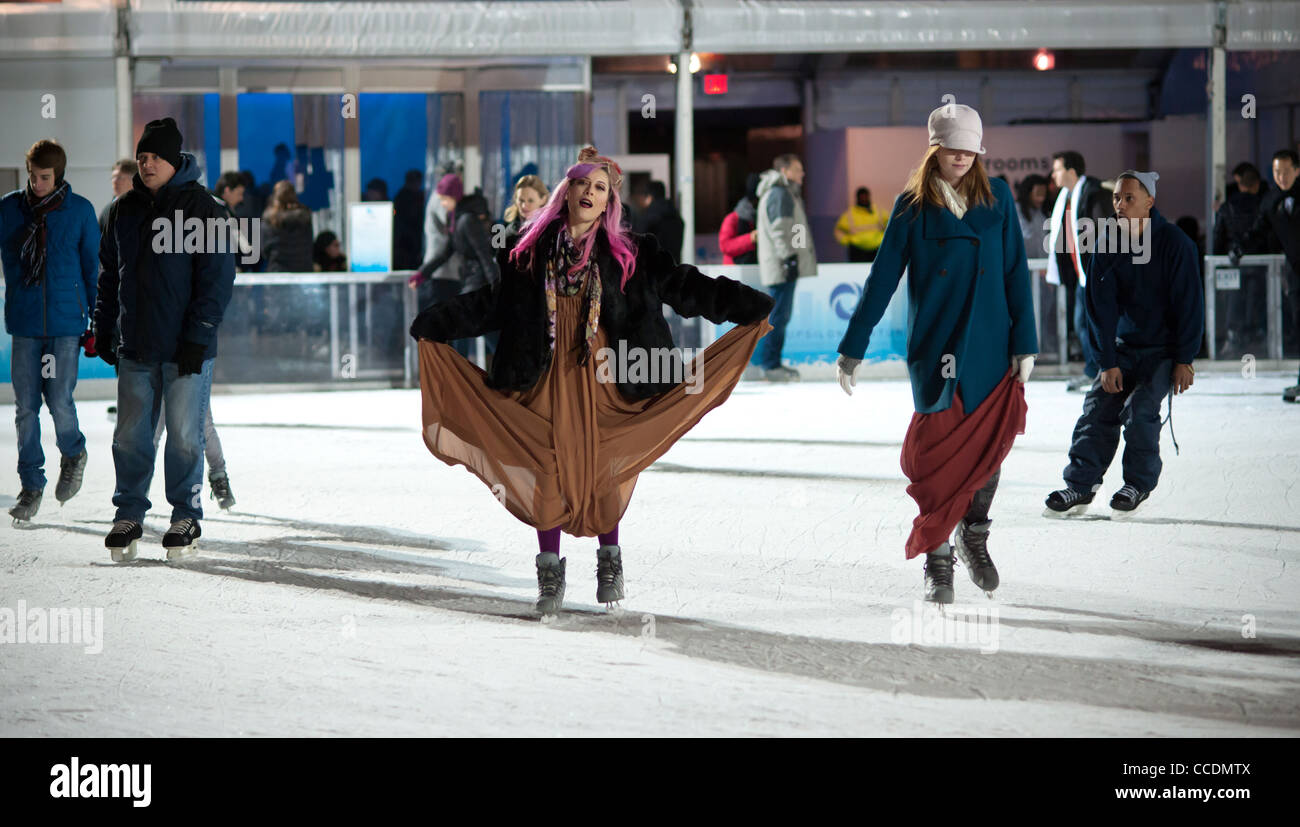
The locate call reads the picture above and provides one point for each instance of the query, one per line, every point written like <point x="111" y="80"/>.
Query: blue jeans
<point x="44" y="367"/>
<point x="142" y="387"/>
<point x="1090" y="366"/>
<point x="211" y="441"/>
<point x="768" y="353"/>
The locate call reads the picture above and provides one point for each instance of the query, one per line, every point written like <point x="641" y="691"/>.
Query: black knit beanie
<point x="163" y="139"/>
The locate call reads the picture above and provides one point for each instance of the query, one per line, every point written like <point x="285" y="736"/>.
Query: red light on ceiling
<point x="715" y="84"/>
<point x="1044" y="60"/>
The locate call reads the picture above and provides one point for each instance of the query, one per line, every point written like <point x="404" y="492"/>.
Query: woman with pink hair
<point x="586" y="389"/>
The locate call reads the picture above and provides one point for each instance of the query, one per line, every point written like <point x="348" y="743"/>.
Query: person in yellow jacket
<point x="862" y="228"/>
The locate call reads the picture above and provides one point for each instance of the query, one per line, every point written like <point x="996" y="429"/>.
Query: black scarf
<point x="33" y="248"/>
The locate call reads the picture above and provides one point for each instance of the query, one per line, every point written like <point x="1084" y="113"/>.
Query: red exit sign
<point x="715" y="84"/>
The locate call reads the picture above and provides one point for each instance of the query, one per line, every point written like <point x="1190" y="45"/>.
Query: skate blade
<point x="1117" y="514"/>
<point x="1073" y="511"/>
<point x="614" y="607"/>
<point x="124" y="555"/>
<point x="178" y="553"/>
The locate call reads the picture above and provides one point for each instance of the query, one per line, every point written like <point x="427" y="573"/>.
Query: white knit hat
<point x="957" y="126"/>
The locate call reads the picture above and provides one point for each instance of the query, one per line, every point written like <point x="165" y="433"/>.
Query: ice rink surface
<point x="361" y="587"/>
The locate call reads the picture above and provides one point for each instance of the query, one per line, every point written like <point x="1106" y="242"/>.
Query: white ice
<point x="361" y="587"/>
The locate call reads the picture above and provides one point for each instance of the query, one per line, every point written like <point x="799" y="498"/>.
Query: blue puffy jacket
<point x="60" y="305"/>
<point x="155" y="301"/>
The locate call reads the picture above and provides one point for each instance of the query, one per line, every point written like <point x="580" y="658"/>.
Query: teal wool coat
<point x="969" y="307"/>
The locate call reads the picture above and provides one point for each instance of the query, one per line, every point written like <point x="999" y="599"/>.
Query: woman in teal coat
<point x="971" y="342"/>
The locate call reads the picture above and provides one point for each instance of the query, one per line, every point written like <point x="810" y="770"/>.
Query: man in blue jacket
<point x="167" y="268"/>
<point x="1146" y="317"/>
<point x="48" y="242"/>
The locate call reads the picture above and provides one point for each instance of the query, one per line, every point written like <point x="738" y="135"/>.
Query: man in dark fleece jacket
<point x="1146" y="317"/>
<point x="167" y="268"/>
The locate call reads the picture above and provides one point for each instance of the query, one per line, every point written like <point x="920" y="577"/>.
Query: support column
<point x="1216" y="156"/>
<point x="473" y="155"/>
<point x="229" y="160"/>
<point x="122" y="89"/>
<point x="351" y="144"/>
<point x="684" y="156"/>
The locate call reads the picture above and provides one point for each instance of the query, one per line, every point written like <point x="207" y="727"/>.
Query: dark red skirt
<point x="949" y="456"/>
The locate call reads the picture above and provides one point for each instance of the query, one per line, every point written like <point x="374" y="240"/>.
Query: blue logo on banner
<point x="844" y="309"/>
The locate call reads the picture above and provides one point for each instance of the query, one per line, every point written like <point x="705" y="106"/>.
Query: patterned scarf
<point x="33" y="248"/>
<point x="560" y="281"/>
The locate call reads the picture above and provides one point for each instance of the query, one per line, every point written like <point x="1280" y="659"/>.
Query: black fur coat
<point x="516" y="306"/>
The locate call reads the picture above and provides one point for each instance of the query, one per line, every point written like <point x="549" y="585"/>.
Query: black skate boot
<point x="221" y="490"/>
<point x="29" y="502"/>
<point x="1126" y="500"/>
<point x="938" y="575"/>
<point x="71" y="471"/>
<point x="971" y="543"/>
<point x="550" y="582"/>
<point x="609" y="575"/>
<point x="1067" y="502"/>
<point x="181" y="540"/>
<point x="121" y="540"/>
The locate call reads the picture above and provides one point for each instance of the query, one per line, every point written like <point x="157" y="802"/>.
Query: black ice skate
<point x="121" y="540"/>
<point x="221" y="490"/>
<point x="1127" y="499"/>
<point x="1067" y="503"/>
<point x="71" y="471"/>
<point x="609" y="575"/>
<point x="550" y="582"/>
<point x="971" y="543"/>
<point x="29" y="502"/>
<point x="181" y="540"/>
<point x="938" y="575"/>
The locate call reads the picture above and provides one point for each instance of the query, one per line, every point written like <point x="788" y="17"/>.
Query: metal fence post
<point x="1211" y="295"/>
<point x="1062" y="327"/>
<point x="1273" y="294"/>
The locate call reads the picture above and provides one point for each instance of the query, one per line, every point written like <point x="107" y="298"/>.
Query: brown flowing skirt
<point x="567" y="452"/>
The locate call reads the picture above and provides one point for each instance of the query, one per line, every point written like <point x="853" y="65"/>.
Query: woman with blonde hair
<point x="529" y="196"/>
<point x="564" y="422"/>
<point x="286" y="232"/>
<point x="971" y="342"/>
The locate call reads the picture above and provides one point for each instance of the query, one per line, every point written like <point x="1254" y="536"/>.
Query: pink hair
<point x="556" y="208"/>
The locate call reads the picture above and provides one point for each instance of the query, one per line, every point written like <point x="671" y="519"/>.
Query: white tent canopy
<point x="459" y="28"/>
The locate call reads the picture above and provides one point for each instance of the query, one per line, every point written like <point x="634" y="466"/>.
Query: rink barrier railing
<point x="344" y="289"/>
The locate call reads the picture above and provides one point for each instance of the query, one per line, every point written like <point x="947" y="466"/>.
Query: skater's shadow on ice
<point x="323" y="547"/>
<point x="1180" y="521"/>
<point x="1152" y="631"/>
<point x="943" y="671"/>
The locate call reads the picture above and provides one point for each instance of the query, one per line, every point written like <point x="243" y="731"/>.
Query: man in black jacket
<point x="163" y="301"/>
<point x="1233" y="223"/>
<point x="657" y="216"/>
<point x="1145" y="323"/>
<point x="1279" y="227"/>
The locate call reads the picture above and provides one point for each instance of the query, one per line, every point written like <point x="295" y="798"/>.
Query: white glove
<point x="848" y="369"/>
<point x="1023" y="365"/>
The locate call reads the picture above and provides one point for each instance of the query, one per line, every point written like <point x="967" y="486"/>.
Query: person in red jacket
<point x="738" y="237"/>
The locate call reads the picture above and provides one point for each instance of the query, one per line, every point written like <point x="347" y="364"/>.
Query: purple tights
<point x="549" y="540"/>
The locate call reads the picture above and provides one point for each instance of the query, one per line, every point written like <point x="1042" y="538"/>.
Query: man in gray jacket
<point x="785" y="254"/>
